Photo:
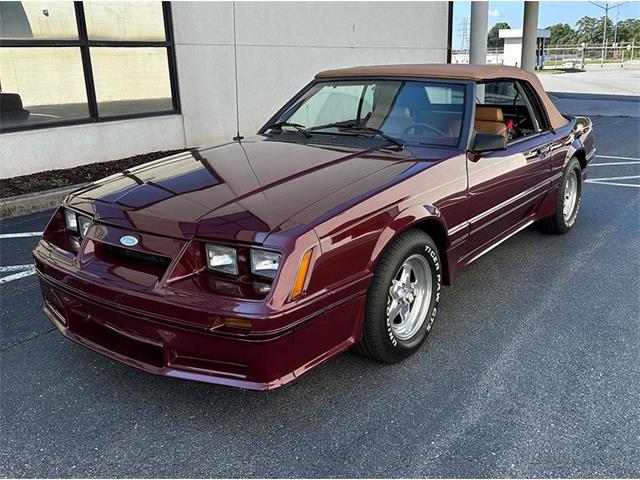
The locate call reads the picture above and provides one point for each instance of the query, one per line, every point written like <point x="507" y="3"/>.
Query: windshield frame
<point x="469" y="89"/>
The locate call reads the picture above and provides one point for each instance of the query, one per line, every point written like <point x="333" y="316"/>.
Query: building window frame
<point x="84" y="43"/>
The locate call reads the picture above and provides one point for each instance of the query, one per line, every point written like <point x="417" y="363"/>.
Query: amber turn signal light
<point x="302" y="274"/>
<point x="237" y="323"/>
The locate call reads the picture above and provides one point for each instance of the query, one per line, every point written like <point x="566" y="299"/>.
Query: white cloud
<point x="494" y="13"/>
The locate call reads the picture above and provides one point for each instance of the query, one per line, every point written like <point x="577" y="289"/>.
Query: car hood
<point x="240" y="191"/>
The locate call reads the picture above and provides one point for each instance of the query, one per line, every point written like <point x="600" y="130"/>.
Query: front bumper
<point x="172" y="347"/>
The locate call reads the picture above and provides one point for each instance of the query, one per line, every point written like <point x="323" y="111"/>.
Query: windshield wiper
<point x="351" y="125"/>
<point x="300" y="128"/>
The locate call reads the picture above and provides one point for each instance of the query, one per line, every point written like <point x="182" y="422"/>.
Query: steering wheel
<point x="420" y="128"/>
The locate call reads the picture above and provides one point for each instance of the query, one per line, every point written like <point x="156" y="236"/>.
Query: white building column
<point x="529" y="36"/>
<point x="479" y="30"/>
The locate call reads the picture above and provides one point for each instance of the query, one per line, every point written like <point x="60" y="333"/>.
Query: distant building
<point x="513" y="46"/>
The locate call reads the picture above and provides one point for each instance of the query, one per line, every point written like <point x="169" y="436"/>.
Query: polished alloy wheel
<point x="570" y="195"/>
<point x="409" y="297"/>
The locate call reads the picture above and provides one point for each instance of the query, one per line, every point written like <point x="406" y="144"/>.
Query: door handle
<point x="544" y="150"/>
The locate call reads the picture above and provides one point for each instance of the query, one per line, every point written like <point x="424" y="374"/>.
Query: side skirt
<point x="506" y="235"/>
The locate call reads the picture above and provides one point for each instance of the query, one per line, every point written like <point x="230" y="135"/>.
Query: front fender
<point x="581" y="142"/>
<point x="577" y="149"/>
<point x="405" y="219"/>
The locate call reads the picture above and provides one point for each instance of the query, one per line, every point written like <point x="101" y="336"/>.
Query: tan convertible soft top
<point x="457" y="71"/>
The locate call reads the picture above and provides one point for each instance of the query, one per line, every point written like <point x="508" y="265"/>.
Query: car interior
<point x="490" y="120"/>
<point x="424" y="111"/>
<point x="503" y="108"/>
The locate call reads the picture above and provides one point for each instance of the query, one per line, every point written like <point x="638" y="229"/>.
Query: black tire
<point x="557" y="223"/>
<point x="378" y="339"/>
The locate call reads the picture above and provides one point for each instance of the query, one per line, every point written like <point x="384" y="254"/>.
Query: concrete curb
<point x="35" y="202"/>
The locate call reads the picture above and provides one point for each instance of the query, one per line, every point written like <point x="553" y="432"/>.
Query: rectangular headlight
<point x="76" y="223"/>
<point x="265" y="263"/>
<point x="222" y="259"/>
<point x="70" y="220"/>
<point x="83" y="224"/>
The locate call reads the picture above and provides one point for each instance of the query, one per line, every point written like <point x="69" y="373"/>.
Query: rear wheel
<point x="567" y="201"/>
<point x="402" y="299"/>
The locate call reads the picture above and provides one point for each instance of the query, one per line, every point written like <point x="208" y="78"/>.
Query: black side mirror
<point x="488" y="142"/>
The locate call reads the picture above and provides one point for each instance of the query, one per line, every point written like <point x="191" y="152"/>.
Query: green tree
<point x="562" y="34"/>
<point x="493" y="40"/>
<point x="629" y="30"/>
<point x="586" y="30"/>
<point x="590" y="30"/>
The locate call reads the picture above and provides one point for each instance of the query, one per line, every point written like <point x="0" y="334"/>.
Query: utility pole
<point x="464" y="33"/>
<point x="615" y="25"/>
<point x="606" y="19"/>
<point x="604" y="35"/>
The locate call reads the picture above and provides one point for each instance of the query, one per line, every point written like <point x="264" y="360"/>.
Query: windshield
<point x="414" y="112"/>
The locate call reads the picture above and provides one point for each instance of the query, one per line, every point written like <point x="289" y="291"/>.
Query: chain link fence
<point x="568" y="56"/>
<point x="577" y="56"/>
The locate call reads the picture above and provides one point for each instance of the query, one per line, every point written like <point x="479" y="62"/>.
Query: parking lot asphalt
<point x="532" y="370"/>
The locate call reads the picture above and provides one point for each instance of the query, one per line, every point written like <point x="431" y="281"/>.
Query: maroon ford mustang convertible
<point x="249" y="263"/>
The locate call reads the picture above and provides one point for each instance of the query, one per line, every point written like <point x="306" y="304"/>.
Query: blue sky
<point x="550" y="13"/>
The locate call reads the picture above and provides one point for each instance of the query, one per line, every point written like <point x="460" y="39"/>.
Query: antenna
<point x="238" y="137"/>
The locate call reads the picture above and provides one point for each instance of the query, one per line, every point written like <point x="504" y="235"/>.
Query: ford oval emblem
<point x="129" y="241"/>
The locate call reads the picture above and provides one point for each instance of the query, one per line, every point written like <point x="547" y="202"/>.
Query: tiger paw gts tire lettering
<point x="402" y="301"/>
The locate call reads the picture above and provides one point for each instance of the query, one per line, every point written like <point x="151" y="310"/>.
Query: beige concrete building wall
<point x="280" y="46"/>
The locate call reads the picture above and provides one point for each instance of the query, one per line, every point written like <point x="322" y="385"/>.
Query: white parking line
<point x="612" y="181"/>
<point x="26" y="271"/>
<point x="15" y="268"/>
<point x="20" y="235"/>
<point x="617" y="158"/>
<point x="615" y="184"/>
<point x="626" y="177"/>
<point x="637" y="162"/>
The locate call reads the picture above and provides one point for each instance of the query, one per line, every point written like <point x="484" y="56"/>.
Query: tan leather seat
<point x="490" y="120"/>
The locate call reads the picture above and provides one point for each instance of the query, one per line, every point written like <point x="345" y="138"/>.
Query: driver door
<point x="506" y="187"/>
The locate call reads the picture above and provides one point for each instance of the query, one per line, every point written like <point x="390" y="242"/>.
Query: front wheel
<point x="403" y="298"/>
<point x="567" y="201"/>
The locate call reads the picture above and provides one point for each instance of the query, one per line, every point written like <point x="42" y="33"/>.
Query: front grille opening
<point x="133" y="259"/>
